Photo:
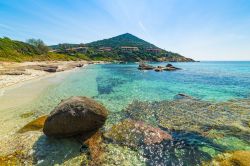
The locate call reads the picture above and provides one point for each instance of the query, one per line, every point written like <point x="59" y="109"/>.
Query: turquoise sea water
<point x="200" y="130"/>
<point x="117" y="85"/>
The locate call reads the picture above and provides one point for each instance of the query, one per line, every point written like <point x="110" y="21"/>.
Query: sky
<point x="199" y="29"/>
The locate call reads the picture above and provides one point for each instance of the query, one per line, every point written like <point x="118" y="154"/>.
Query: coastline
<point x="13" y="74"/>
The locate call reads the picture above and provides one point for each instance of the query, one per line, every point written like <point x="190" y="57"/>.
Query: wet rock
<point x="182" y="96"/>
<point x="34" y="125"/>
<point x="236" y="158"/>
<point x="79" y="65"/>
<point x="193" y="115"/>
<point x="169" y="65"/>
<point x="27" y="114"/>
<point x="141" y="111"/>
<point x="50" y="69"/>
<point x="171" y="68"/>
<point x="75" y="116"/>
<point x="159" y="69"/>
<point x="103" y="153"/>
<point x="136" y="133"/>
<point x="47" y="68"/>
<point x="96" y="147"/>
<point x="143" y="66"/>
<point x="17" y="71"/>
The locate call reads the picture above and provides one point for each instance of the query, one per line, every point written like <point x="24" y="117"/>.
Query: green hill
<point x="126" y="39"/>
<point x="11" y="50"/>
<point x="125" y="47"/>
<point x="146" y="50"/>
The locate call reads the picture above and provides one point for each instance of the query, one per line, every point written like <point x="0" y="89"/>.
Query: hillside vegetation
<point x="122" y="40"/>
<point x="11" y="50"/>
<point x="116" y="52"/>
<point x="125" y="47"/>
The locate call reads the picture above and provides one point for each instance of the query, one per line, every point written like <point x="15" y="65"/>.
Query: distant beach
<point x="13" y="73"/>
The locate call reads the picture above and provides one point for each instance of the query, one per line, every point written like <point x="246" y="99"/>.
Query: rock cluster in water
<point x="184" y="131"/>
<point x="168" y="67"/>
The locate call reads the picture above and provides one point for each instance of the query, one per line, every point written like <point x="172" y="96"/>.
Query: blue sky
<point x="200" y="29"/>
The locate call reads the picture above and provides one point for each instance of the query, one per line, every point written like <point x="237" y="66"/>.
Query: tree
<point x="39" y="44"/>
<point x="63" y="46"/>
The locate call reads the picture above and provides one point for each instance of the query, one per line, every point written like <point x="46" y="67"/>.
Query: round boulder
<point x="75" y="116"/>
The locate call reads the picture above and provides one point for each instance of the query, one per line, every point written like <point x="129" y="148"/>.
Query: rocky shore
<point x="184" y="131"/>
<point x="12" y="73"/>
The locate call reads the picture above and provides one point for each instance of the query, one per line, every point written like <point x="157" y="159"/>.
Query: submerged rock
<point x="16" y="158"/>
<point x="103" y="153"/>
<point x="75" y="116"/>
<point x="236" y="158"/>
<point x="190" y="114"/>
<point x="34" y="125"/>
<point x="182" y="96"/>
<point x="27" y="114"/>
<point x="96" y="148"/>
<point x="135" y="133"/>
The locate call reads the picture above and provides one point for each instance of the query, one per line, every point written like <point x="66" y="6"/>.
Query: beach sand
<point x="12" y="73"/>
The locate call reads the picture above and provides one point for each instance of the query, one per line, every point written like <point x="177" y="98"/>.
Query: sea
<point x="118" y="87"/>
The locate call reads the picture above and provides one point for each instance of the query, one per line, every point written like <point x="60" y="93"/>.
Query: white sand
<point x="29" y="72"/>
<point x="8" y="80"/>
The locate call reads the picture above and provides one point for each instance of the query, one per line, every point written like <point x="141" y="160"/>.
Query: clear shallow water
<point x="117" y="86"/>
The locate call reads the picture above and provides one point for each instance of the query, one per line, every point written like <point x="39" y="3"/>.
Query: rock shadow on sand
<point x="52" y="151"/>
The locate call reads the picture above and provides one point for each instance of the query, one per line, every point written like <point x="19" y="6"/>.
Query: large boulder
<point x="75" y="116"/>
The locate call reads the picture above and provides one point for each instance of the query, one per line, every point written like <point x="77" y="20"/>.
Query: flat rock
<point x="135" y="133"/>
<point x="34" y="125"/>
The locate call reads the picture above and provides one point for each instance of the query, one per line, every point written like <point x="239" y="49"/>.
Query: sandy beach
<point x="12" y="73"/>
